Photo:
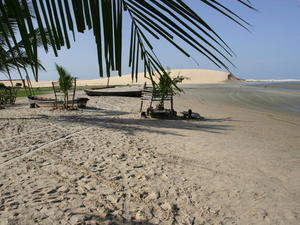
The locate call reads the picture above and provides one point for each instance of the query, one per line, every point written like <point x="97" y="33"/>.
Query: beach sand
<point x="107" y="165"/>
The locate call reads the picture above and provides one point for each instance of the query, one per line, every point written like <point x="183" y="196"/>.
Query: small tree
<point x="65" y="83"/>
<point x="167" y="85"/>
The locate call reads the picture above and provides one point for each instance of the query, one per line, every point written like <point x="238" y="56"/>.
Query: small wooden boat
<point x="120" y="91"/>
<point x="46" y="101"/>
<point x="41" y="100"/>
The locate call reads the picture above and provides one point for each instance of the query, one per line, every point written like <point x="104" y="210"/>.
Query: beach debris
<point x="163" y="113"/>
<point x="143" y="115"/>
<point x="77" y="219"/>
<point x="81" y="102"/>
<point x="191" y="115"/>
<point x="63" y="189"/>
<point x="138" y="166"/>
<point x="140" y="216"/>
<point x="165" y="177"/>
<point x="122" y="157"/>
<point x="51" y="191"/>
<point x="166" y="206"/>
<point x="34" y="105"/>
<point x="117" y="178"/>
<point x="153" y="196"/>
<point x="144" y="195"/>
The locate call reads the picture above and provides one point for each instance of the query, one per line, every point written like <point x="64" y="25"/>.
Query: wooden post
<point x="53" y="86"/>
<point x="75" y="81"/>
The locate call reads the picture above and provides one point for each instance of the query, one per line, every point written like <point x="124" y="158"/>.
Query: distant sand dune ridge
<point x="195" y="76"/>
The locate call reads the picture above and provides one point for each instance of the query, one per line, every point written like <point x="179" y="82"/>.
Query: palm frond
<point x="21" y="61"/>
<point x="174" y="21"/>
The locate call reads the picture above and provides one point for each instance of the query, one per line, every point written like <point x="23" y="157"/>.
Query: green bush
<point x="167" y="85"/>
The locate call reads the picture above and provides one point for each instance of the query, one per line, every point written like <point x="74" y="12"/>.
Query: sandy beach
<point x="107" y="165"/>
<point x="132" y="112"/>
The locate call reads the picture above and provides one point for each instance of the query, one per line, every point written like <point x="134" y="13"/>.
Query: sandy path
<point x="104" y="164"/>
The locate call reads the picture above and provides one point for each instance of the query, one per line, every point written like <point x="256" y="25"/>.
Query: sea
<point x="293" y="86"/>
<point x="283" y="97"/>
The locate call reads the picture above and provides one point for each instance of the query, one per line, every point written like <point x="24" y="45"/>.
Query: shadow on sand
<point x="106" y="112"/>
<point x="133" y="125"/>
<point x="109" y="119"/>
<point x="26" y="118"/>
<point x="219" y="119"/>
<point x="109" y="220"/>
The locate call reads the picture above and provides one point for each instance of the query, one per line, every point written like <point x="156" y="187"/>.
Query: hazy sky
<point x="270" y="51"/>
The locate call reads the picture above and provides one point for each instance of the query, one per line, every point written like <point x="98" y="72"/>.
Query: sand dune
<point x="195" y="76"/>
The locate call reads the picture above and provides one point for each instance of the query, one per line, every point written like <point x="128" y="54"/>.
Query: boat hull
<point x="114" y="92"/>
<point x="46" y="101"/>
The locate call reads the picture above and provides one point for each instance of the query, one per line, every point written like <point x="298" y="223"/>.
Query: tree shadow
<point x="133" y="125"/>
<point x="26" y="118"/>
<point x="109" y="219"/>
<point x="109" y="119"/>
<point x="219" y="119"/>
<point x="205" y="119"/>
<point x="107" y="112"/>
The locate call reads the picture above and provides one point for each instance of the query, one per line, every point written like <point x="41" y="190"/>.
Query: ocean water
<point x="293" y="86"/>
<point x="282" y="96"/>
<point x="266" y="97"/>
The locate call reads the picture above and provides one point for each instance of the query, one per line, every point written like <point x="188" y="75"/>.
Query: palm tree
<point x="65" y="83"/>
<point x="173" y="21"/>
<point x="14" y="55"/>
<point x="10" y="60"/>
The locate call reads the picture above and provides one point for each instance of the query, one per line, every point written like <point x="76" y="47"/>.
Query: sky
<point x="271" y="50"/>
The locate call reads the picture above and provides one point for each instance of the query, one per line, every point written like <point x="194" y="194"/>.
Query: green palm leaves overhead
<point x="172" y="20"/>
<point x="14" y="54"/>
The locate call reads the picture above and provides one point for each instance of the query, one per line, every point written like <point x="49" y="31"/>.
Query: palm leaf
<point x="175" y="21"/>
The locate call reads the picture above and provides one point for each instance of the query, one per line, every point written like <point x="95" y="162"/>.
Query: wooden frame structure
<point x="151" y="95"/>
<point x="59" y="96"/>
<point x="8" y="95"/>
